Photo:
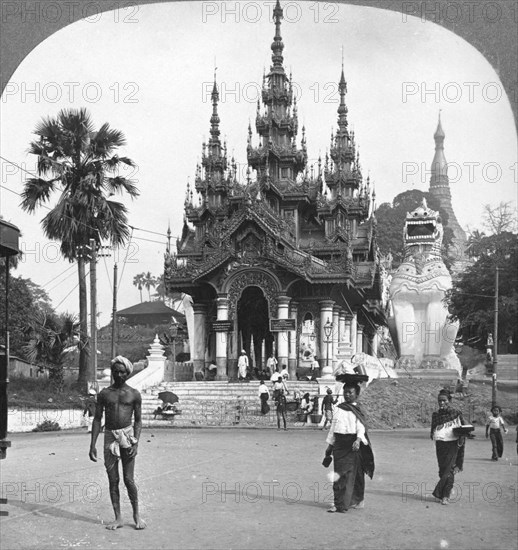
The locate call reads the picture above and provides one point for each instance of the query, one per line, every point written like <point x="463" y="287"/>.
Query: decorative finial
<point x="439" y="133"/>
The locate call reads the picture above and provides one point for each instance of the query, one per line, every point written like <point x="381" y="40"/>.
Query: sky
<point x="148" y="71"/>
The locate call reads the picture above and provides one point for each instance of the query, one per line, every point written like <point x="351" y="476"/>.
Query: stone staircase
<point x="205" y="404"/>
<point x="507" y="368"/>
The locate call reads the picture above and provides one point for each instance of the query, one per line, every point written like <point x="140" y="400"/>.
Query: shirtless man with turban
<point x="120" y="403"/>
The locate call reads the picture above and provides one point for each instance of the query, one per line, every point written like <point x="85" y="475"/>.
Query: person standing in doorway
<point x="242" y="366"/>
<point x="314" y="369"/>
<point x="271" y="364"/>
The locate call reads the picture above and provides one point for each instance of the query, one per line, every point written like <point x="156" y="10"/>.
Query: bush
<point x="47" y="426"/>
<point x="28" y="392"/>
<point x="182" y="357"/>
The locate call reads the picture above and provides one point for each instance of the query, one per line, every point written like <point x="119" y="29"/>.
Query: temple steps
<point x="215" y="404"/>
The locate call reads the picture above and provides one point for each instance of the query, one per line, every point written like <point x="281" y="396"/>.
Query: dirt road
<point x="251" y="489"/>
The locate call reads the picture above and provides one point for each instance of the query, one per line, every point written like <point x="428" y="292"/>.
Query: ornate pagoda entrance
<point x="253" y="326"/>
<point x="271" y="260"/>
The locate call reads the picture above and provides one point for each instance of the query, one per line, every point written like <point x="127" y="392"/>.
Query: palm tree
<point x="173" y="300"/>
<point x="474" y="243"/>
<point x="148" y="282"/>
<point x="160" y="288"/>
<point x="138" y="281"/>
<point x="79" y="164"/>
<point x="48" y="337"/>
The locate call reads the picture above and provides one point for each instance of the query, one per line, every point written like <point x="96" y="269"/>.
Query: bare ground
<point x="409" y="403"/>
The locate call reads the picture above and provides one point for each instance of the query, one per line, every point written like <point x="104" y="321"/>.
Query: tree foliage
<point x="498" y="219"/>
<point x="149" y="281"/>
<point x="80" y="165"/>
<point x="26" y="299"/>
<point x="391" y="222"/>
<point x="48" y="335"/>
<point x="471" y="299"/>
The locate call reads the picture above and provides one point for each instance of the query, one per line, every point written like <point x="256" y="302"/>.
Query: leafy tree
<point x="391" y="222"/>
<point x="48" y="337"/>
<point x="471" y="299"/>
<point x="26" y="299"/>
<point x="79" y="164"/>
<point x="498" y="219"/>
<point x="475" y="245"/>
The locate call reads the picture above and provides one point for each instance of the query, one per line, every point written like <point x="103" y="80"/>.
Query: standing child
<point x="493" y="425"/>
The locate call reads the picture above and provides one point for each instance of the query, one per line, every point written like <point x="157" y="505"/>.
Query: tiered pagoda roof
<point x="311" y="223"/>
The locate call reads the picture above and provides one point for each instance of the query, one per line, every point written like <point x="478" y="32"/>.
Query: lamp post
<point x="173" y="331"/>
<point x="327" y="371"/>
<point x="328" y="330"/>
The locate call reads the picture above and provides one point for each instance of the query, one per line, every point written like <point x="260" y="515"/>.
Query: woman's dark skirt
<point x="265" y="408"/>
<point x="449" y="456"/>
<point x="349" y="487"/>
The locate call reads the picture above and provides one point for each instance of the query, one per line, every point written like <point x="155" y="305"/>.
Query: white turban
<point x="123" y="361"/>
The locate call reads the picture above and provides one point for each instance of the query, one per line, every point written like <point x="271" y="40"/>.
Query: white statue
<point x="425" y="336"/>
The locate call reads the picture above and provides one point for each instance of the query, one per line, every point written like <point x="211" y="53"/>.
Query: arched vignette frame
<point x="496" y="37"/>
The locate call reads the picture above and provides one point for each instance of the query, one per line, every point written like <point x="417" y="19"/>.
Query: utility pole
<point x="495" y="343"/>
<point x="114" y="312"/>
<point x="93" y="312"/>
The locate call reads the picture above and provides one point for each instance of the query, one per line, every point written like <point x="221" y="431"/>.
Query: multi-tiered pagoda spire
<point x="348" y="198"/>
<point x="344" y="177"/>
<point x="215" y="176"/>
<point x="277" y="159"/>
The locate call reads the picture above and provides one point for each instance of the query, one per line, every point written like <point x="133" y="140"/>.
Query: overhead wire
<point x="132" y="236"/>
<point x="77" y="284"/>
<point x="54" y="278"/>
<point x="124" y="262"/>
<point x="86" y="225"/>
<point x="61" y="282"/>
<point x="104" y="256"/>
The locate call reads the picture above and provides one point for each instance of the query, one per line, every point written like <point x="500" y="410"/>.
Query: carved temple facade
<point x="269" y="261"/>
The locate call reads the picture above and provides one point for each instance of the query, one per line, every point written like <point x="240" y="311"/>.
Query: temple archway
<point x="254" y="334"/>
